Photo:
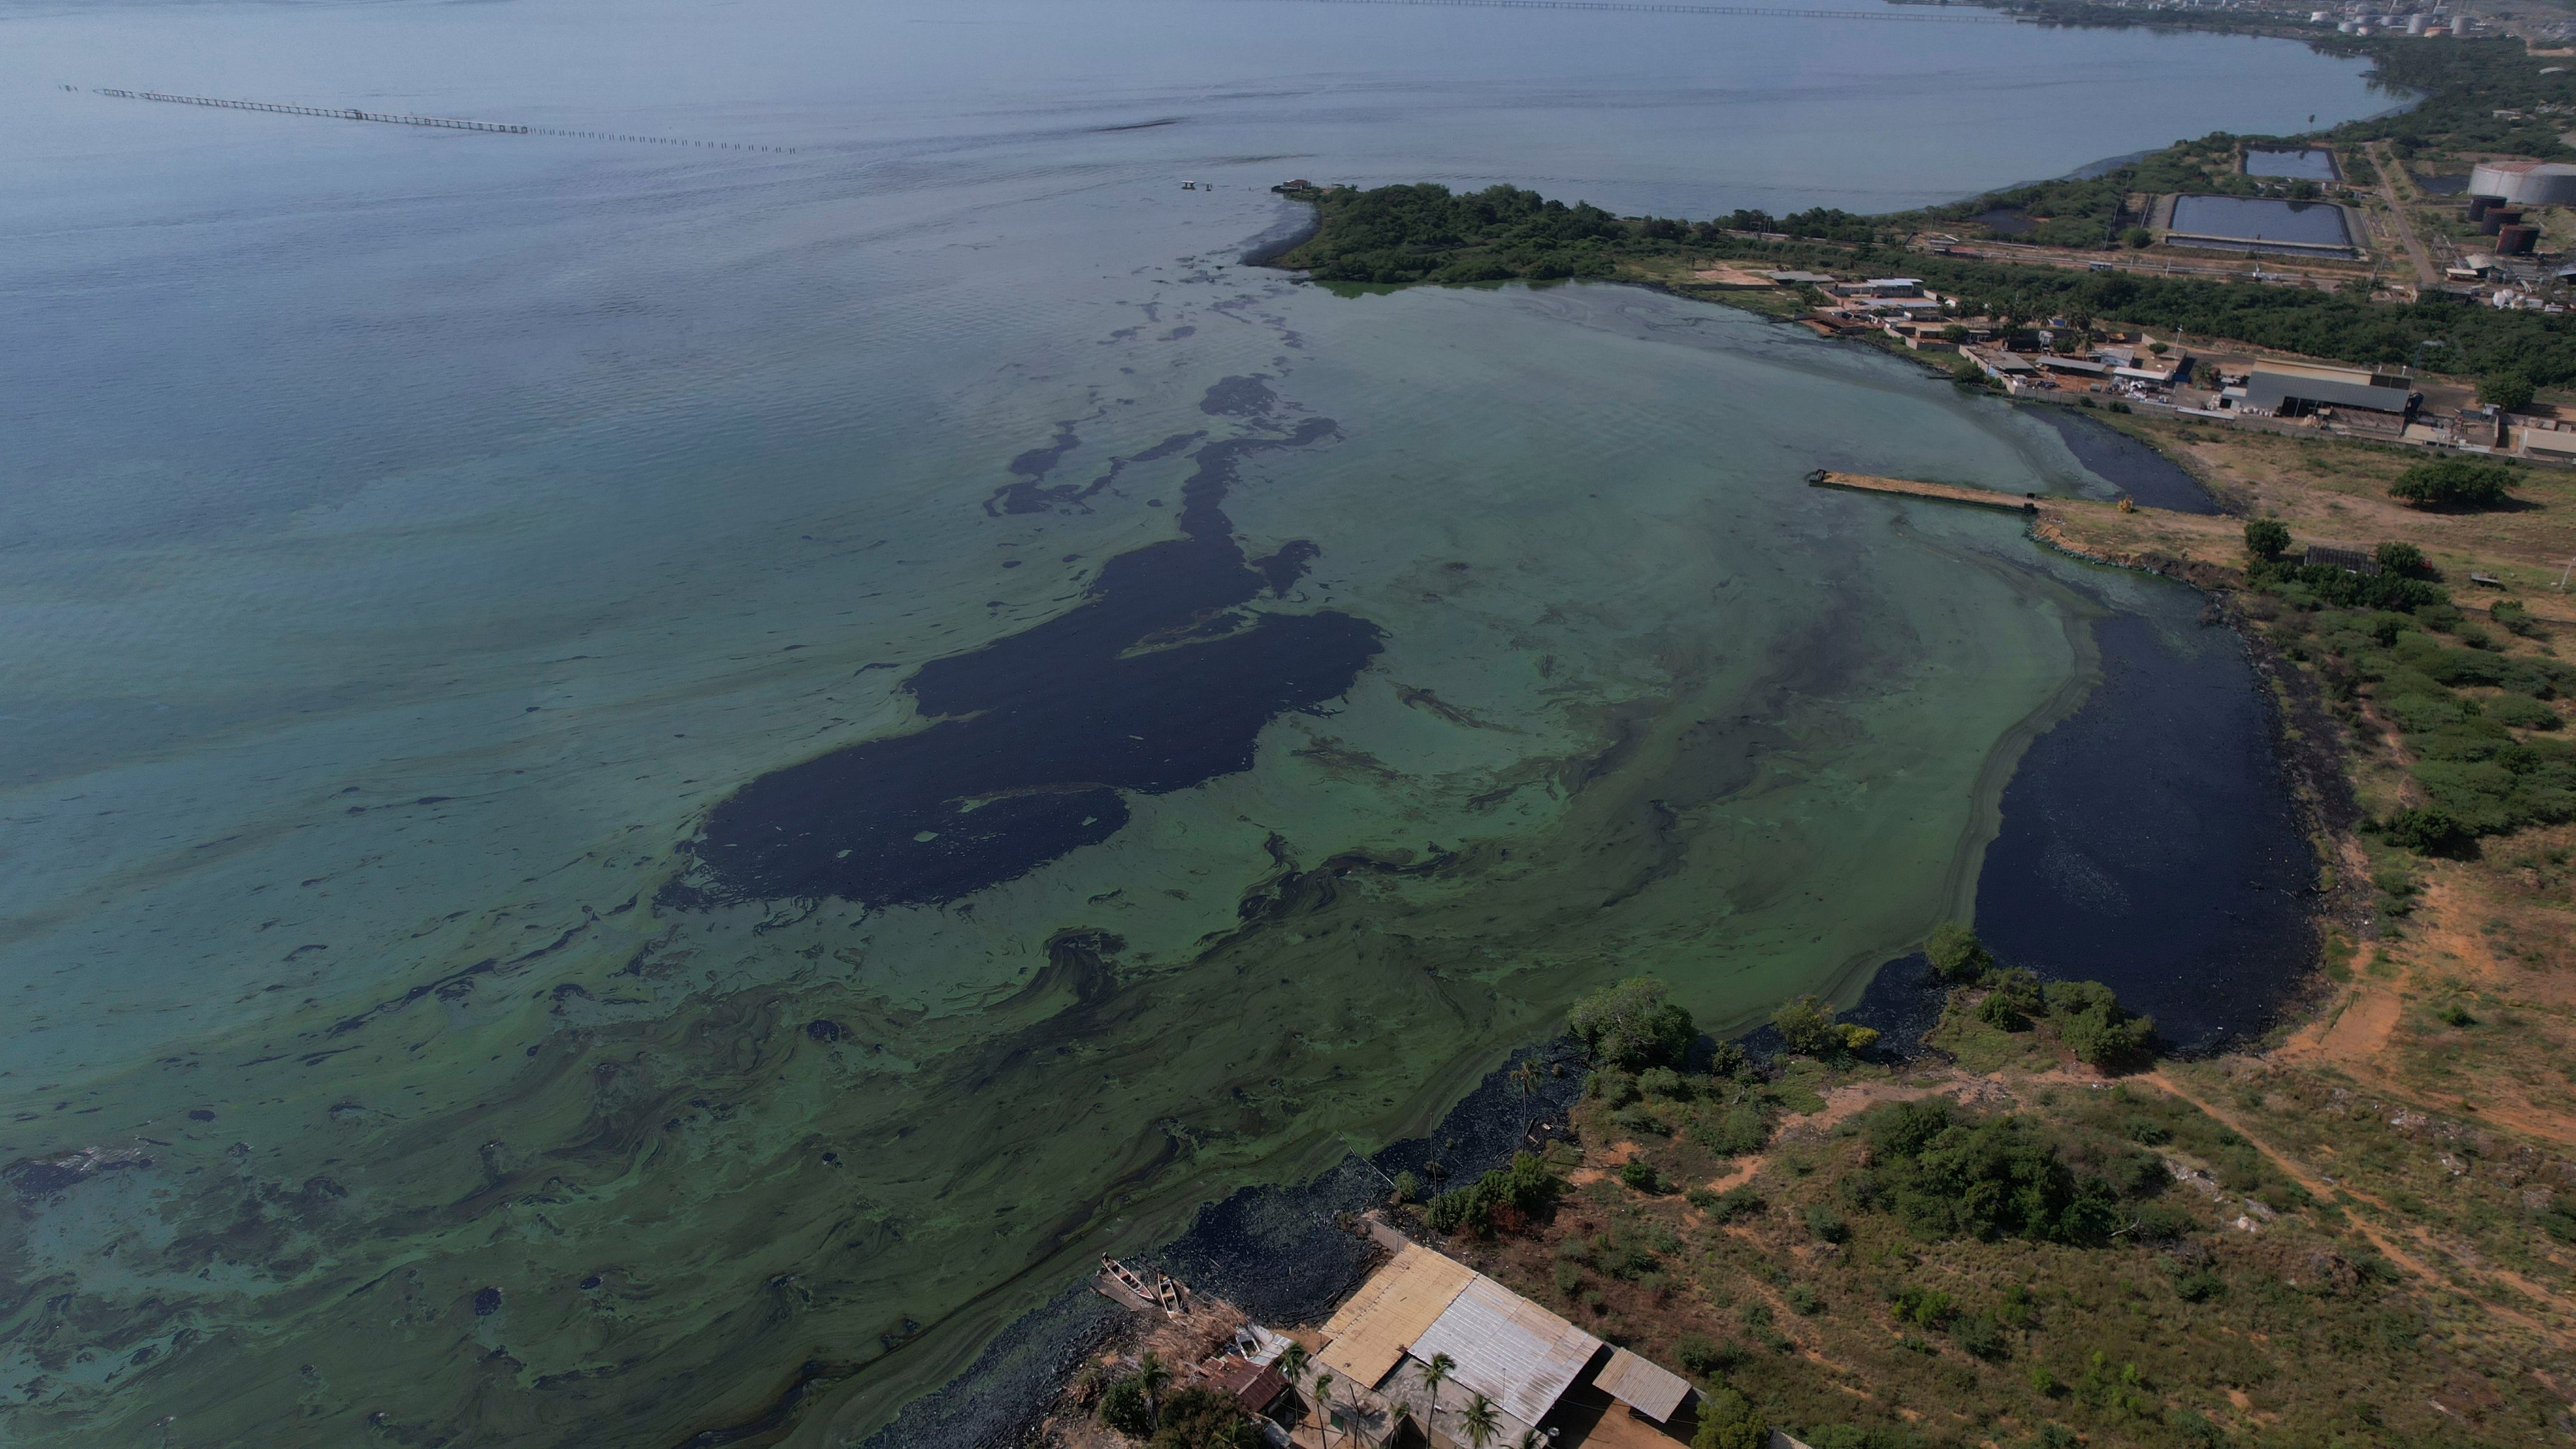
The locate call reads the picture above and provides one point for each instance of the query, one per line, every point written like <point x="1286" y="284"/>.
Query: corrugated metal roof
<point x="1508" y="1348"/>
<point x="2268" y="390"/>
<point x="1370" y="1332"/>
<point x="1651" y="1391"/>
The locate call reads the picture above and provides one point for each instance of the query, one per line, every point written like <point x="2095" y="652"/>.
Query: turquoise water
<point x="414" y="535"/>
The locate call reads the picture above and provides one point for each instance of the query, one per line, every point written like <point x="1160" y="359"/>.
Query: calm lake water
<point x="414" y="536"/>
<point x="2258" y="218"/>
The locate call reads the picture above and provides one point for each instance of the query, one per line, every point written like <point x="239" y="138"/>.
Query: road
<point x="2389" y="166"/>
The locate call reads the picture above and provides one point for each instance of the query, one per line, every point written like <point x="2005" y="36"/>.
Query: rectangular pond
<point x="2301" y="163"/>
<point x="2253" y="220"/>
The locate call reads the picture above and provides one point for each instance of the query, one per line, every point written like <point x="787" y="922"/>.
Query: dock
<point x="1917" y="488"/>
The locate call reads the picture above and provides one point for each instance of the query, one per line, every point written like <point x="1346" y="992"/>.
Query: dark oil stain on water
<point x="1159" y="680"/>
<point x="2141" y="472"/>
<point x="2148" y="842"/>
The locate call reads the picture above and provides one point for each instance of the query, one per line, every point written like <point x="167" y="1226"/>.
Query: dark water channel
<point x="2149" y="842"/>
<point x="2146" y="475"/>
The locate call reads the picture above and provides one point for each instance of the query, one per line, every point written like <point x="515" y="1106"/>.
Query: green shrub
<point x="1632" y="1025"/>
<point x="1612" y="1086"/>
<point x="1923" y="1307"/>
<point x="1408" y="1188"/>
<point x="1660" y="1082"/>
<point x="1808" y="1028"/>
<point x="1945" y="1175"/>
<point x="2093" y="1024"/>
<point x="1827" y="1225"/>
<point x="1123" y="1407"/>
<point x="1957" y="953"/>
<point x="2522" y="712"/>
<point x="1981" y="1337"/>
<point x="2455" y="483"/>
<point x="1998" y="1011"/>
<point x="1738" y="1130"/>
<point x="1728" y="1420"/>
<point x="2514" y="617"/>
<point x="1196" y="1418"/>
<point x="1641" y="1176"/>
<point x="1643" y="1119"/>
<point x="2155" y="1222"/>
<point x="1727" y="1206"/>
<point x="1499" y="1198"/>
<point x="1569" y="1278"/>
<point x="2403" y="559"/>
<point x="2425" y="830"/>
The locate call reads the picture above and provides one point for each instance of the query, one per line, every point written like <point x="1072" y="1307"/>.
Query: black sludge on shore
<point x="1157" y="681"/>
<point x="1282" y="1254"/>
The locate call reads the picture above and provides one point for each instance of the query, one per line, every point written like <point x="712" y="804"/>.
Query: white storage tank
<point x="2526" y="183"/>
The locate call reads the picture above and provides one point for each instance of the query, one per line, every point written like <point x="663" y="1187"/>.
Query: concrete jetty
<point x="1917" y="488"/>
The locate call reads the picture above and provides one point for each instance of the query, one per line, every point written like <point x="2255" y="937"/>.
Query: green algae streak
<point x="1648" y="703"/>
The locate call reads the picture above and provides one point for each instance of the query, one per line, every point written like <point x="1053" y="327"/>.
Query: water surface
<point x="419" y="541"/>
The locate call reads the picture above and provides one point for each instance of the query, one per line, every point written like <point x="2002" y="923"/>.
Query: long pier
<point x="1917" y="488"/>
<point x="449" y="123"/>
<point x="346" y="113"/>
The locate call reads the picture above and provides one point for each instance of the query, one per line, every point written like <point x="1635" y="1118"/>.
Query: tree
<point x="1632" y="1025"/>
<point x="1153" y="1376"/>
<point x="1291" y="1363"/>
<point x="2429" y="830"/>
<point x="2266" y="538"/>
<point x="2403" y="559"/>
<point x="1124" y="1407"/>
<point x="1957" y="953"/>
<point x="2093" y="1023"/>
<point x="1808" y="1027"/>
<point x="1728" y="1420"/>
<point x="2455" y="483"/>
<point x="1434" y="1374"/>
<point x="1527" y="1076"/>
<point x="1479" y="1420"/>
<point x="2204" y="377"/>
<point x="2510" y="390"/>
<point x="2138" y="238"/>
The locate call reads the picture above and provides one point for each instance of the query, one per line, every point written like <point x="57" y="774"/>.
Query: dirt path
<point x="2419" y="1250"/>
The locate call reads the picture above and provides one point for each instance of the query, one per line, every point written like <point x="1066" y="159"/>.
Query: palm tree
<point x="1527" y="1077"/>
<point x="1533" y="1439"/>
<point x="1479" y="1421"/>
<point x="1324" y="1404"/>
<point x="1434" y="1374"/>
<point x="1291" y="1363"/>
<point x="1154" y="1378"/>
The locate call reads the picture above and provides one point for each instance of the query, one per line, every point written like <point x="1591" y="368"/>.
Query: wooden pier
<point x="1917" y="488"/>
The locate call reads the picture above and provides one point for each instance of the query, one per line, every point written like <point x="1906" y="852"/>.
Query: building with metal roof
<point x="1520" y="1356"/>
<point x="2286" y="395"/>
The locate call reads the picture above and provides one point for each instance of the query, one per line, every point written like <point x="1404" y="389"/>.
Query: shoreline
<point x="1233" y="1245"/>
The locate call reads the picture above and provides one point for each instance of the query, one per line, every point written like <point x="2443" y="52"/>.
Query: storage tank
<point x="2515" y="241"/>
<point x="2479" y="206"/>
<point x="2526" y="183"/>
<point x="2415" y="24"/>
